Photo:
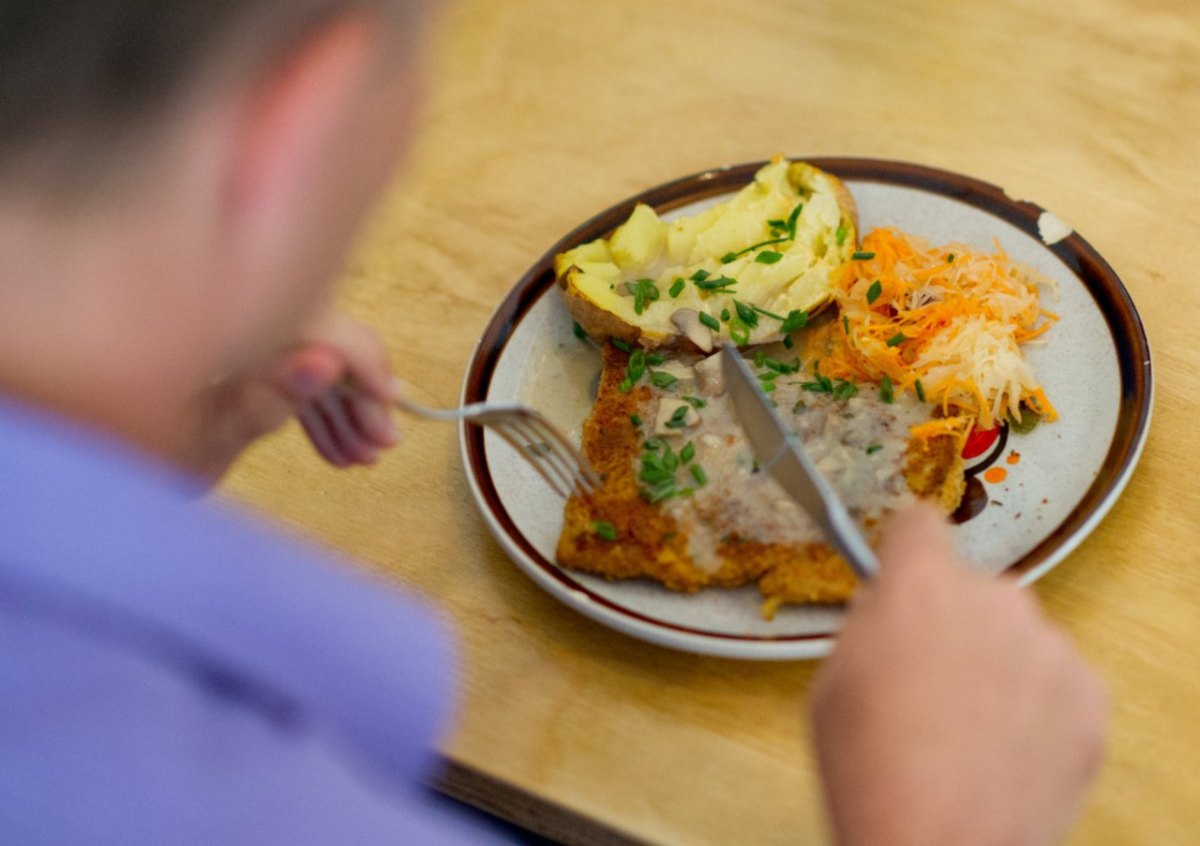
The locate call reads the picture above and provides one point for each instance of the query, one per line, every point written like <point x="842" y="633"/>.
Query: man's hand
<point x="951" y="711"/>
<point x="337" y="380"/>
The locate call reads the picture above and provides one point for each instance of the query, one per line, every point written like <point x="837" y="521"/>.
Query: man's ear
<point x="289" y="130"/>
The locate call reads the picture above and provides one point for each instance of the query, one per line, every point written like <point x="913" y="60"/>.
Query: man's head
<point x="179" y="180"/>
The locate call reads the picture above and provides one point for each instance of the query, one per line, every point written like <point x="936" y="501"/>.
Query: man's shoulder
<point x="112" y="545"/>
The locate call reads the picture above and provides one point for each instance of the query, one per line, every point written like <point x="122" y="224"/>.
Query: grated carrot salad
<point x="946" y="323"/>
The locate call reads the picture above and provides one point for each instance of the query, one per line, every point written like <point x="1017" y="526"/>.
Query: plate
<point x="1094" y="365"/>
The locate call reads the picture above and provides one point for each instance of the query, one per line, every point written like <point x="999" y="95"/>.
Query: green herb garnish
<point x="728" y="257"/>
<point x="695" y="402"/>
<point x="679" y="418"/>
<point x="874" y="291"/>
<point x="739" y="332"/>
<point x="710" y="321"/>
<point x="663" y="379"/>
<point x="841" y="234"/>
<point x="861" y="256"/>
<point x="578" y="330"/>
<point x="676" y="287"/>
<point x="874" y="448"/>
<point x="794" y="320"/>
<point x="896" y="340"/>
<point x="619" y="344"/>
<point x="699" y="475"/>
<point x="768" y="257"/>
<point x="788" y="342"/>
<point x="605" y="530"/>
<point x="920" y="390"/>
<point x="700" y="275"/>
<point x="718" y="283"/>
<point x="747" y="315"/>
<point x="886" y="391"/>
<point x="687" y="453"/>
<point x="644" y="293"/>
<point x="793" y="218"/>
<point x="635" y="419"/>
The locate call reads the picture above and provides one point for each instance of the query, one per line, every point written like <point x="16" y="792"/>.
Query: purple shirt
<point x="172" y="673"/>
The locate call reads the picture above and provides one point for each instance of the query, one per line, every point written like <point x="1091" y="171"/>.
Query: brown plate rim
<point x="1102" y="282"/>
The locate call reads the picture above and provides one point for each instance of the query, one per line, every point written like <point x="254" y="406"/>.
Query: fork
<point x="537" y="441"/>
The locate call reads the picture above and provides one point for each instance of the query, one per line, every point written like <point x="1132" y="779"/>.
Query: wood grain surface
<point x="542" y="112"/>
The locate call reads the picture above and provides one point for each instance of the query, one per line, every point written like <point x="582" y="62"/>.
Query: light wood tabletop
<point x="541" y="113"/>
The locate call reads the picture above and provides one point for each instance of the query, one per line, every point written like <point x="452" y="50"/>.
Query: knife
<point x="781" y="454"/>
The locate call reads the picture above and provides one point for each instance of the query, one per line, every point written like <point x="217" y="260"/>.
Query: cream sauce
<point x="858" y="444"/>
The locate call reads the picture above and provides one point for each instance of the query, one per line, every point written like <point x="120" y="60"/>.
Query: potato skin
<point x="602" y="325"/>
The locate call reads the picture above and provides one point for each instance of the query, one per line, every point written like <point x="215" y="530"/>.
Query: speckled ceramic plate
<point x="1094" y="365"/>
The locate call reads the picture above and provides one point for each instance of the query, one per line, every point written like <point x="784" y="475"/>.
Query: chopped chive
<point x="655" y="359"/>
<point x="769" y="314"/>
<point x="635" y="419"/>
<point x="874" y="291"/>
<point x="637" y="366"/>
<point x="861" y="256"/>
<point x="792" y="219"/>
<point x="687" y="453"/>
<point x="896" y="340"/>
<point x="739" y="332"/>
<point x="700" y="275"/>
<point x="950" y="258"/>
<point x="699" y="475"/>
<point x="846" y="325"/>
<point x="795" y="320"/>
<point x="874" y="448"/>
<point x="644" y="293"/>
<point x="710" y="321"/>
<point x="886" y="391"/>
<point x="844" y="389"/>
<point x="604" y="529"/>
<point x="695" y="402"/>
<point x="626" y="385"/>
<point x="759" y="357"/>
<point x="788" y="342"/>
<point x="619" y="344"/>
<point x="663" y="379"/>
<point x="777" y="224"/>
<point x="799" y="406"/>
<point x="725" y="314"/>
<point x="728" y="257"/>
<point x="578" y="330"/>
<point x="769" y="387"/>
<point x="652" y="444"/>
<point x="720" y="283"/>
<point x="678" y="419"/>
<point x="748" y="315"/>
<point x="841" y="234"/>
<point x="768" y="257"/>
<point x="920" y="390"/>
<point x="676" y="287"/>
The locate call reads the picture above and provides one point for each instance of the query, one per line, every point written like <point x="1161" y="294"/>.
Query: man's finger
<point x="322" y="438"/>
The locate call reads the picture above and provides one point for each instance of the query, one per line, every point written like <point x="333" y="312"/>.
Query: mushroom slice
<point x="688" y="322"/>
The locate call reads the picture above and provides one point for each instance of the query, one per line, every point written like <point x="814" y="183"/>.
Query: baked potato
<point x="749" y="269"/>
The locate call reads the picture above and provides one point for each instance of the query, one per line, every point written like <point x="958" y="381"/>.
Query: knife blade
<point x="781" y="454"/>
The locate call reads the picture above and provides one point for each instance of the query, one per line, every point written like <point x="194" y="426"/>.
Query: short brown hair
<point x="75" y="73"/>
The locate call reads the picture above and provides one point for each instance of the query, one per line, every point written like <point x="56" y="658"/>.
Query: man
<point x="178" y="184"/>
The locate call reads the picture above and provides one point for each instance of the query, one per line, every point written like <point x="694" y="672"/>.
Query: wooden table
<point x="542" y="112"/>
